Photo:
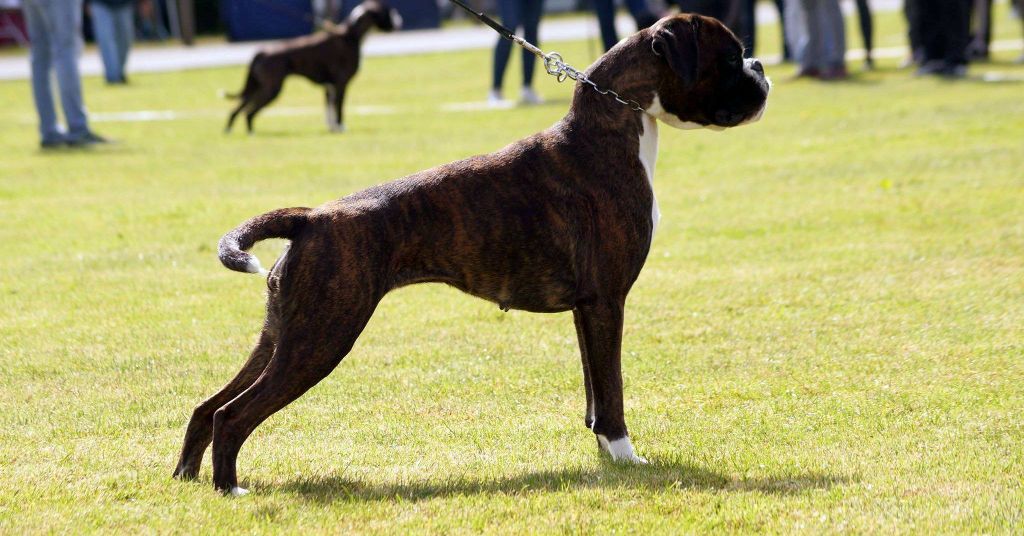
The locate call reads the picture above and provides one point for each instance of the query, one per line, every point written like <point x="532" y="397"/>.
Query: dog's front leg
<point x="334" y="94"/>
<point x="588" y="415"/>
<point x="601" y="326"/>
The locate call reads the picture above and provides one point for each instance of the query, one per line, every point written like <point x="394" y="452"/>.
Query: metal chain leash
<point x="553" y="63"/>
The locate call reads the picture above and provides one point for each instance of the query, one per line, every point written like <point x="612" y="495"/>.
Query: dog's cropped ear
<point x="677" y="45"/>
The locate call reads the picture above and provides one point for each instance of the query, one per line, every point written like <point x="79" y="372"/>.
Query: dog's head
<point x="703" y="80"/>
<point x="384" y="18"/>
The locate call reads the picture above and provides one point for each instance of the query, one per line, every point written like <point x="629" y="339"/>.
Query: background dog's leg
<point x="307" y="351"/>
<point x="265" y="95"/>
<point x="234" y="114"/>
<point x="335" y="98"/>
<point x="601" y="323"/>
<point x="339" y="100"/>
<point x="200" y="427"/>
<point x="332" y="113"/>
<point x="588" y="416"/>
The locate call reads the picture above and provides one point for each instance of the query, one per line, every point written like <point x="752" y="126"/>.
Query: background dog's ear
<point x="677" y="44"/>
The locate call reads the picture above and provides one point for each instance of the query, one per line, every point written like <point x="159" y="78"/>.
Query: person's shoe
<point x="495" y="100"/>
<point x="50" y="145"/>
<point x="529" y="96"/>
<point x="954" y="71"/>
<point x="834" y="73"/>
<point x="808" y="72"/>
<point x="932" y="67"/>
<point x="87" y="140"/>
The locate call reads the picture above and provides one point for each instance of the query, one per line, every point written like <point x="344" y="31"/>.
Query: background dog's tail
<point x="281" y="223"/>
<point x="250" y="84"/>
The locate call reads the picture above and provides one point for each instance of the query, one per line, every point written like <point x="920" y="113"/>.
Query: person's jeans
<point x="516" y="13"/>
<point x="816" y="33"/>
<point x="54" y="29"/>
<point x="114" y="31"/>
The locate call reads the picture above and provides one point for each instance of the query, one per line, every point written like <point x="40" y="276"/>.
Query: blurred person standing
<point x="817" y="38"/>
<point x="867" y="31"/>
<point x="113" y="28"/>
<point x="605" y="10"/>
<point x="54" y="30"/>
<point x="516" y="14"/>
<point x="944" y="27"/>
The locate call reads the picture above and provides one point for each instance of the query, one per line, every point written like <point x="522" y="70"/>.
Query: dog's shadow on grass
<point x="656" y="476"/>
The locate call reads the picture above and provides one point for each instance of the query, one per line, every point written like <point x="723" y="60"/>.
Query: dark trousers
<point x="516" y="14"/>
<point x="867" y="29"/>
<point x="605" y="10"/>
<point x="944" y="29"/>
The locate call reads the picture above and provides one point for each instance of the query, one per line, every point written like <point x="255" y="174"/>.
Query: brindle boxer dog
<point x="559" y="221"/>
<point x="329" y="58"/>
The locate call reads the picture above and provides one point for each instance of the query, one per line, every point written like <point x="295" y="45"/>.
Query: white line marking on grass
<point x="133" y="116"/>
<point x="136" y="116"/>
<point x="477" y="106"/>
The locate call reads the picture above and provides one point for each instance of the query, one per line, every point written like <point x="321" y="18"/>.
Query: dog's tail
<point x="250" y="83"/>
<point x="281" y="223"/>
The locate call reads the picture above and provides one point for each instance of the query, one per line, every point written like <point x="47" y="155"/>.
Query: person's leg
<point x="531" y="12"/>
<point x="125" y="24"/>
<point x="833" y="31"/>
<point x="780" y="5"/>
<point x="509" y="12"/>
<point x="1020" y="13"/>
<point x="748" y="23"/>
<point x="41" y="61"/>
<point x="957" y="35"/>
<point x="813" y="61"/>
<point x="641" y="13"/>
<point x="796" y="31"/>
<point x="66" y="42"/>
<point x="911" y="10"/>
<point x="104" y="29"/>
<point x="929" y="28"/>
<point x="605" y="10"/>
<point x="866" y="30"/>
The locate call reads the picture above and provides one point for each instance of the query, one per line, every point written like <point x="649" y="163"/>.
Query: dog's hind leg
<point x="234" y="114"/>
<point x="601" y="324"/>
<point x="310" y="347"/>
<point x="200" y="426"/>
<point x="262" y="98"/>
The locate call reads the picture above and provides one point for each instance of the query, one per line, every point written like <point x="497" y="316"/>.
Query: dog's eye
<point x="734" y="60"/>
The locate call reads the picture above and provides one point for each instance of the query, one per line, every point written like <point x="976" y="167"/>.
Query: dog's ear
<point x="677" y="45"/>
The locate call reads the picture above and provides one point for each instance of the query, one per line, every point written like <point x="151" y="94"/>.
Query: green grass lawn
<point x="827" y="335"/>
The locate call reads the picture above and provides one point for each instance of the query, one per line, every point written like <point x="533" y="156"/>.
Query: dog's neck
<point x="358" y="25"/>
<point x="625" y="70"/>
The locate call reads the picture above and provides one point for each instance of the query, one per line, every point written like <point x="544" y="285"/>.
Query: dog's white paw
<point x="337" y="129"/>
<point x="238" y="492"/>
<point x="621" y="450"/>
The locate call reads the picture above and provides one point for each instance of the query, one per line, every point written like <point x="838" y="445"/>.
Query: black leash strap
<point x="507" y="34"/>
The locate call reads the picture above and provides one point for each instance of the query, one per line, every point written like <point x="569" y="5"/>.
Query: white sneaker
<point x="495" y="100"/>
<point x="529" y="96"/>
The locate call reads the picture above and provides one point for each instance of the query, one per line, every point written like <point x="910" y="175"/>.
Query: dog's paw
<point x="337" y="129"/>
<point x="621" y="450"/>
<point x="238" y="492"/>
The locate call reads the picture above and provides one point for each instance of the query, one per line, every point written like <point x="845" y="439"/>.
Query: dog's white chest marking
<point x="648" y="158"/>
